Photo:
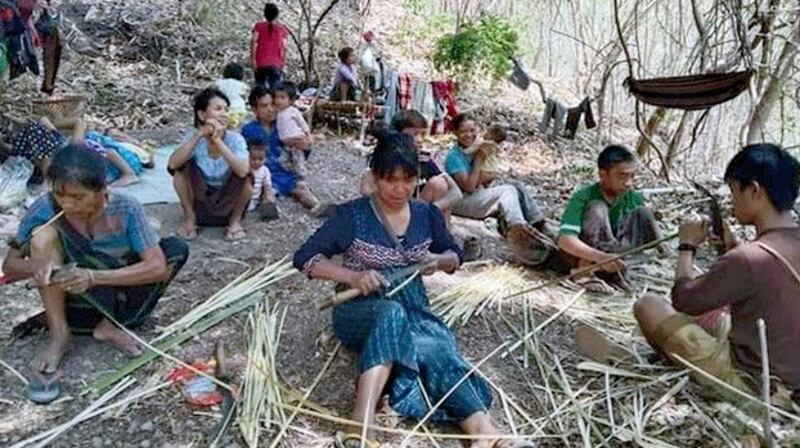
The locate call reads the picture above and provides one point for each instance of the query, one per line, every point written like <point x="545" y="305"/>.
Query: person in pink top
<point x="267" y="47"/>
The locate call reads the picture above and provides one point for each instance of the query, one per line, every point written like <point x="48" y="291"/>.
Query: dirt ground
<point x="162" y="419"/>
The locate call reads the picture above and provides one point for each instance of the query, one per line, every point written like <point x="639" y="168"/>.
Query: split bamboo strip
<point x="593" y="267"/>
<point x="480" y="363"/>
<point x="429" y="404"/>
<point x="508" y="401"/>
<point x="261" y="397"/>
<point x="302" y="401"/>
<point x="241" y="294"/>
<point x="246" y="283"/>
<point x="14" y="372"/>
<point x="42" y="227"/>
<point x="411" y="433"/>
<point x="48" y="436"/>
<point x="550" y="319"/>
<point x="765" y="394"/>
<point x="736" y="391"/>
<point x="175" y="340"/>
<point x="469" y="297"/>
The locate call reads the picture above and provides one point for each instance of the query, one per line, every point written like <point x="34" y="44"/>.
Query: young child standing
<point x="267" y="47"/>
<point x="233" y="86"/>
<point x="291" y="125"/>
<point x="263" y="195"/>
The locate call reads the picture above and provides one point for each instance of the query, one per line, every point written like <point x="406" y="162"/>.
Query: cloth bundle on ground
<point x="690" y="92"/>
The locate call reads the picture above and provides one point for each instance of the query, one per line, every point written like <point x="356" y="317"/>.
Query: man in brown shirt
<point x="752" y="279"/>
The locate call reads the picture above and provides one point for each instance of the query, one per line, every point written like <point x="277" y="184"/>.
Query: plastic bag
<point x="14" y="176"/>
<point x="368" y="62"/>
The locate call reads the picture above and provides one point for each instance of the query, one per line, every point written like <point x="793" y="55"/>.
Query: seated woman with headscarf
<point x="211" y="170"/>
<point x="404" y="349"/>
<point x="98" y="265"/>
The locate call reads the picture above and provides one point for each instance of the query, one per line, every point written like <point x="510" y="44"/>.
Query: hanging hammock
<point x="690" y="92"/>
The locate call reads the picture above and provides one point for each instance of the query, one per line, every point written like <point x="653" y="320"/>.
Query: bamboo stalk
<point x="765" y="394"/>
<point x="14" y="372"/>
<point x="49" y="222"/>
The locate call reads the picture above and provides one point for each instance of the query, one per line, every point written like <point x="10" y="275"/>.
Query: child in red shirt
<point x="267" y="47"/>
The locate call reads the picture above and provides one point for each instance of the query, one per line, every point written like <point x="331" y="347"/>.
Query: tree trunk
<point x="643" y="146"/>
<point x="756" y="129"/>
<point x="677" y="138"/>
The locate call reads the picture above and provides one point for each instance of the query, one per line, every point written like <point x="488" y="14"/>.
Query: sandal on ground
<point x="512" y="443"/>
<point x="44" y="389"/>
<point x="235" y="234"/>
<point x="352" y="440"/>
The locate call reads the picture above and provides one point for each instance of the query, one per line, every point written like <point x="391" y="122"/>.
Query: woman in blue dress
<point x="404" y="349"/>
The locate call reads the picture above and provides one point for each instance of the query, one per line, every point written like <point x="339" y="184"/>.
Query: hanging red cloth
<point x="403" y="91"/>
<point x="444" y="93"/>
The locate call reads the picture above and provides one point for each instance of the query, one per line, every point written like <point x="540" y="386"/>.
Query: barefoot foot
<point x="105" y="331"/>
<point x="49" y="359"/>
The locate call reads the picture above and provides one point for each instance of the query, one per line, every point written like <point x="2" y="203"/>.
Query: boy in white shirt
<point x="233" y="86"/>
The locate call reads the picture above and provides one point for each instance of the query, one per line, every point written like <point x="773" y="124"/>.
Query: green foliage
<point x="418" y="7"/>
<point x="485" y="44"/>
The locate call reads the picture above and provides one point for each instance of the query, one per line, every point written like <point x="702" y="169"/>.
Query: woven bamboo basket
<point x="66" y="107"/>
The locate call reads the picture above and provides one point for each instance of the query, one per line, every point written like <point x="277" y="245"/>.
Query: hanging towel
<point x="554" y="111"/>
<point x="390" y="84"/>
<point x="574" y="117"/>
<point x="403" y="91"/>
<point x="422" y="100"/>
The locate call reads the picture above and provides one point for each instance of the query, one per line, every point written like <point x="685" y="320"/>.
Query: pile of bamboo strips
<point x="262" y="401"/>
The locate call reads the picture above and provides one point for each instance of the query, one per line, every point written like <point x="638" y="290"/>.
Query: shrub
<point x="485" y="45"/>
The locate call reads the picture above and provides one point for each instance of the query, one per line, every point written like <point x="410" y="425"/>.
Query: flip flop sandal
<point x="41" y="393"/>
<point x="351" y="440"/>
<point x="191" y="236"/>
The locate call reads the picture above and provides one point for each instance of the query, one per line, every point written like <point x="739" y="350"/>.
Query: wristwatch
<point x="683" y="247"/>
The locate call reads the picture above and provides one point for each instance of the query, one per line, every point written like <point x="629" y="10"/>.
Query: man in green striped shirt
<point x="606" y="217"/>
